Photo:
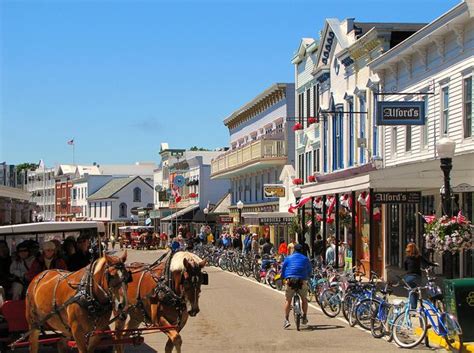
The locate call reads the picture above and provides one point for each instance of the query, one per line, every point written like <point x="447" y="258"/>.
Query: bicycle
<point x="407" y="334"/>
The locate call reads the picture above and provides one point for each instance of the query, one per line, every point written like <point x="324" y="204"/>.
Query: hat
<point x="23" y="245"/>
<point x="49" y="245"/>
<point x="299" y="247"/>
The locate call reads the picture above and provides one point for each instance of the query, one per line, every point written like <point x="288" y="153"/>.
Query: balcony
<point x="255" y="156"/>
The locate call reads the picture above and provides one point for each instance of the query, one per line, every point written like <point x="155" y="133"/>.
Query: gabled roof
<point x="301" y="51"/>
<point x="112" y="187"/>
<point x="87" y="169"/>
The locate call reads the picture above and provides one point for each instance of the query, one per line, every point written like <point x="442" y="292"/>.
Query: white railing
<point x="253" y="152"/>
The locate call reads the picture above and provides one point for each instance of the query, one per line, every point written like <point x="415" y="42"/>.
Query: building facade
<point x="80" y="191"/>
<point x="42" y="188"/>
<point x="434" y="66"/>
<point x="261" y="144"/>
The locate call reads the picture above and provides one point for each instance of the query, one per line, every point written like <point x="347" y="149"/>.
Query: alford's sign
<point x="397" y="197"/>
<point x="401" y="113"/>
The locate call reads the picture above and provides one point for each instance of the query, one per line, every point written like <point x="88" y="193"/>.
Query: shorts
<point x="303" y="292"/>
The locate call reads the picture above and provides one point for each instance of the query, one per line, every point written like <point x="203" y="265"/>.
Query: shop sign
<point x="275" y="220"/>
<point x="226" y="219"/>
<point x="401" y="113"/>
<point x="273" y="190"/>
<point x="397" y="197"/>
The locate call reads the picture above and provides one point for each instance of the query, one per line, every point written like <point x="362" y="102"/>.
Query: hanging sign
<point x="179" y="181"/>
<point x="397" y="197"/>
<point x="275" y="221"/>
<point x="401" y="113"/>
<point x="226" y="219"/>
<point x="273" y="190"/>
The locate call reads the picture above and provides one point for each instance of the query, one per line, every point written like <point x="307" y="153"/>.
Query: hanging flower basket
<point x="311" y="179"/>
<point x="297" y="127"/>
<point x="242" y="230"/>
<point x="312" y="121"/>
<point x="193" y="195"/>
<point x="297" y="181"/>
<point x="451" y="234"/>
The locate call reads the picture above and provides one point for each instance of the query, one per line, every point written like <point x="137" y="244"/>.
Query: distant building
<point x="42" y="189"/>
<point x="15" y="206"/>
<point x="8" y="175"/>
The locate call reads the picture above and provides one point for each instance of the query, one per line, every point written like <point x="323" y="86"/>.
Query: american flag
<point x="70" y="142"/>
<point x="176" y="194"/>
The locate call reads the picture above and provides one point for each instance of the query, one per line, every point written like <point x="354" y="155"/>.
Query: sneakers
<point x="304" y="321"/>
<point x="286" y="324"/>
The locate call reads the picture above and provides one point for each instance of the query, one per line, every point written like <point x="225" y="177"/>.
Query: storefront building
<point x="435" y="67"/>
<point x="337" y="143"/>
<point x="261" y="144"/>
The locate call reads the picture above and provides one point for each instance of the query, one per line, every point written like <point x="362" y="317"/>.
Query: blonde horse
<point x="160" y="298"/>
<point x="76" y="303"/>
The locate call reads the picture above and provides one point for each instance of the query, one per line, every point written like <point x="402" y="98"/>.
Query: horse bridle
<point x="194" y="280"/>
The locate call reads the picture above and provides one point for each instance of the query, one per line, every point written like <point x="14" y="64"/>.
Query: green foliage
<point x="196" y="148"/>
<point x="26" y="166"/>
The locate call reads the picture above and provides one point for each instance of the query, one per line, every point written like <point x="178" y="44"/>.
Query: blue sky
<point x="122" y="76"/>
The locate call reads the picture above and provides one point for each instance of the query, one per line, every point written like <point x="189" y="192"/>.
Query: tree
<point x="196" y="148"/>
<point x="26" y="166"/>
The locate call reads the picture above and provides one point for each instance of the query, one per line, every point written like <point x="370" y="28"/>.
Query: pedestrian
<point x="318" y="247"/>
<point x="267" y="248"/>
<point x="19" y="268"/>
<point x="237" y="242"/>
<point x="291" y="245"/>
<point x="283" y="248"/>
<point x="46" y="261"/>
<point x="255" y="248"/>
<point x="210" y="238"/>
<point x="331" y="252"/>
<point x="112" y="241"/>
<point x="414" y="261"/>
<point x="247" y="244"/>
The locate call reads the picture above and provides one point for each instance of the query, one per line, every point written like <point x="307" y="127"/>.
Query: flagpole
<point x="73" y="152"/>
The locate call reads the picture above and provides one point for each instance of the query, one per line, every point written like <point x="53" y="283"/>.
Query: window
<point x="300" y="108"/>
<point x="362" y="129"/>
<point x="375" y="135"/>
<point x="123" y="210"/>
<point x="325" y="145"/>
<point x="301" y="166"/>
<point x="408" y="138"/>
<point x="394" y="141"/>
<point x="74" y="194"/>
<point x="308" y="165"/>
<point x="268" y="130"/>
<point x="351" y="134"/>
<point x="338" y="139"/>
<point x="308" y="105"/>
<point x="316" y="100"/>
<point x="444" y="110"/>
<point x="467" y="103"/>
<point x="105" y="211"/>
<point x="316" y="167"/>
<point x="137" y="195"/>
<point x="424" y="128"/>
<point x="100" y="209"/>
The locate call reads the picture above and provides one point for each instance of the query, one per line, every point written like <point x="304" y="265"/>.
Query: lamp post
<point x="240" y="206"/>
<point x="445" y="149"/>
<point x="297" y="193"/>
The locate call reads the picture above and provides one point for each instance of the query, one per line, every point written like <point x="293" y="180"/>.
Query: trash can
<point x="459" y="301"/>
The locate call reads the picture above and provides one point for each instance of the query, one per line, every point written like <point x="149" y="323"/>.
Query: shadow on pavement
<point x="323" y="327"/>
<point x="143" y="348"/>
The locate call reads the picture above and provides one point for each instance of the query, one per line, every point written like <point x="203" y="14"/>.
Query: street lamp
<point x="240" y="206"/>
<point x="206" y="211"/>
<point x="445" y="149"/>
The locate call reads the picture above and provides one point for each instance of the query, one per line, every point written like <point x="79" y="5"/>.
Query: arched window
<point x="123" y="210"/>
<point x="137" y="195"/>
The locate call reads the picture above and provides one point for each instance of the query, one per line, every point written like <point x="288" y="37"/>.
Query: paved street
<point x="239" y="315"/>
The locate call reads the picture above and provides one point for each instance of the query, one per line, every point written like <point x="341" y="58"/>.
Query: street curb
<point x="468" y="347"/>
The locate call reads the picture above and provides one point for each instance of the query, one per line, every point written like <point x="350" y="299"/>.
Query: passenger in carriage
<point x="82" y="257"/>
<point x="19" y="268"/>
<point x="46" y="261"/>
<point x="69" y="249"/>
<point x="5" y="262"/>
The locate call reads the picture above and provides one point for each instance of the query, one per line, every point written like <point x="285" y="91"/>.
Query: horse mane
<point x="177" y="261"/>
<point x="99" y="264"/>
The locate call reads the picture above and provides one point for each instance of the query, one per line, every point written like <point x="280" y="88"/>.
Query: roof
<point x="223" y="204"/>
<point x="184" y="212"/>
<point x="112" y="187"/>
<point x="66" y="169"/>
<point x="48" y="227"/>
<point x="137" y="169"/>
<point x="86" y="169"/>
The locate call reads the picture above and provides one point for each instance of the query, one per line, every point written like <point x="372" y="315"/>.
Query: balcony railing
<point x="253" y="152"/>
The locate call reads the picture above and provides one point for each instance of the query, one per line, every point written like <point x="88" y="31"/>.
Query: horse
<point x="76" y="304"/>
<point x="164" y="294"/>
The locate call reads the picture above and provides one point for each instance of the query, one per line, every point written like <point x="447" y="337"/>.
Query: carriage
<point x="138" y="237"/>
<point x="13" y="321"/>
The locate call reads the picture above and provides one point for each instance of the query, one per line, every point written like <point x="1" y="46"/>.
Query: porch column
<point x="336" y="223"/>
<point x="371" y="232"/>
<point x="353" y="226"/>
<point x="324" y="227"/>
<point x="313" y="227"/>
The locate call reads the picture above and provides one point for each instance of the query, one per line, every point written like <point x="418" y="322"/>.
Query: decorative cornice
<point x="439" y="42"/>
<point x="459" y="32"/>
<point x="348" y="97"/>
<point x="360" y="93"/>
<point x="406" y="59"/>
<point x="421" y="51"/>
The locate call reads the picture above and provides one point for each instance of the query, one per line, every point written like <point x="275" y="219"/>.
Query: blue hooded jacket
<point x="296" y="266"/>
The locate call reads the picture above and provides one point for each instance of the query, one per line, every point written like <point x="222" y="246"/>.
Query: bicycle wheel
<point x="247" y="268"/>
<point x="239" y="267"/>
<point x="453" y="332"/>
<point x="297" y="311"/>
<point x="364" y="311"/>
<point x="270" y="278"/>
<point x="347" y="303"/>
<point x="409" y="329"/>
<point x="330" y="302"/>
<point x="379" y="321"/>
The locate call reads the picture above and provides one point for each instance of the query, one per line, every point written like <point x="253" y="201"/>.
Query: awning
<point x="186" y="214"/>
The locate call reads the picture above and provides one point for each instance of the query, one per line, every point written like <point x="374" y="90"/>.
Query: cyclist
<point x="296" y="270"/>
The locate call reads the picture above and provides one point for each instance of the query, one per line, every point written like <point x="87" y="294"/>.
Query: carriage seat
<point x="14" y="313"/>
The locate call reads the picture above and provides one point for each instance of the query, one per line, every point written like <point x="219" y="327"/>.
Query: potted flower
<point x="297" y="126"/>
<point x="311" y="179"/>
<point x="297" y="181"/>
<point x="312" y="121"/>
<point x="448" y="233"/>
